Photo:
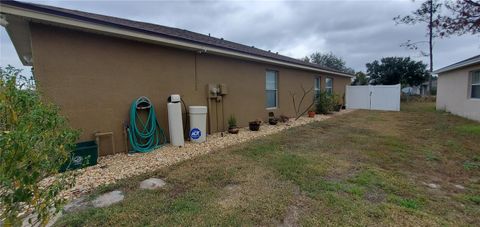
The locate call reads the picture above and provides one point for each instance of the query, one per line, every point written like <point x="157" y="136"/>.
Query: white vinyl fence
<point x="370" y="97"/>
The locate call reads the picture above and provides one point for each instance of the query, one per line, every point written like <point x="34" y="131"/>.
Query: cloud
<point x="359" y="31"/>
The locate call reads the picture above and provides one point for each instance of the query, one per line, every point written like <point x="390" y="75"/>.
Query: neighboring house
<point x="423" y="88"/>
<point x="458" y="89"/>
<point x="420" y="89"/>
<point x="93" y="67"/>
<point x="411" y="90"/>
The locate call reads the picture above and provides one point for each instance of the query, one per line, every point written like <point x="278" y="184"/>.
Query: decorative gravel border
<point x="119" y="166"/>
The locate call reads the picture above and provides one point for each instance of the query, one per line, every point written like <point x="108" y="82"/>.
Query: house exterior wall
<point x="453" y="93"/>
<point x="94" y="79"/>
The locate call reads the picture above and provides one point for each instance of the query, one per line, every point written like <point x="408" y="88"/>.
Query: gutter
<point x="454" y="67"/>
<point x="63" y="20"/>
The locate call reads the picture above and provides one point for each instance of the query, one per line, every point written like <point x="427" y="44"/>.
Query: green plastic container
<point x="85" y="154"/>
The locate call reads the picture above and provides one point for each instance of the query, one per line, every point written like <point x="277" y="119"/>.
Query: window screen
<point x="317" y="87"/>
<point x="271" y="89"/>
<point x="329" y="85"/>
<point x="475" y="85"/>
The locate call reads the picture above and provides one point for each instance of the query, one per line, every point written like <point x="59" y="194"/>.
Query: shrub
<point x="232" y="121"/>
<point x="324" y="103"/>
<point x="416" y="98"/>
<point x="34" y="142"/>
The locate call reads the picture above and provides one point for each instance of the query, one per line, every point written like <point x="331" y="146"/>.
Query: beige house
<point x="93" y="66"/>
<point x="458" y="88"/>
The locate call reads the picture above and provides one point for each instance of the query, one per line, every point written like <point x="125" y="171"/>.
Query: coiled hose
<point x="144" y="136"/>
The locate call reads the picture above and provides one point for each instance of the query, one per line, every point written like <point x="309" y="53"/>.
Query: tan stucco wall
<point x="453" y="93"/>
<point x="94" y="79"/>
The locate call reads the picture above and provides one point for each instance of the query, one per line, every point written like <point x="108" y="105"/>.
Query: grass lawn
<point x="362" y="168"/>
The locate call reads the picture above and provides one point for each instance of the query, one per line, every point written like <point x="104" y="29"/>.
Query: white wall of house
<point x="453" y="93"/>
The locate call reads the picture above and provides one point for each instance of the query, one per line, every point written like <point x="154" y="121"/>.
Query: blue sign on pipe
<point x="195" y="133"/>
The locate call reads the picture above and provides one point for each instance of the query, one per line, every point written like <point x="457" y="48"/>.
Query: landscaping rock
<point x="108" y="199"/>
<point x="112" y="168"/>
<point x="152" y="184"/>
<point x="434" y="186"/>
<point x="459" y="187"/>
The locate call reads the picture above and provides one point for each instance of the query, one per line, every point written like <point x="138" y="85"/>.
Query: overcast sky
<point x="357" y="31"/>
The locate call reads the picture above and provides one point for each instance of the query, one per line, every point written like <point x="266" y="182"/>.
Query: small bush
<point x="324" y="103"/>
<point x="232" y="121"/>
<point x="34" y="142"/>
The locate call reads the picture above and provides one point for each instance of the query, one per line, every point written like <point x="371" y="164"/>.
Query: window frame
<point x="276" y="89"/>
<point x="471" y="84"/>
<point x="326" y="85"/>
<point x="317" y="91"/>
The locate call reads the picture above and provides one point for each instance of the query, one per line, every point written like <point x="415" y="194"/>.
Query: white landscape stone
<point x="108" y="199"/>
<point x="434" y="186"/>
<point x="459" y="186"/>
<point x="152" y="183"/>
<point x="112" y="168"/>
<point x="76" y="205"/>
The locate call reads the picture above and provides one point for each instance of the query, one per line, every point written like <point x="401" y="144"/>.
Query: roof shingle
<point x="164" y="31"/>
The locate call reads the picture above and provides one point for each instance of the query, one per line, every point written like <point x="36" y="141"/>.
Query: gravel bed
<point x="119" y="166"/>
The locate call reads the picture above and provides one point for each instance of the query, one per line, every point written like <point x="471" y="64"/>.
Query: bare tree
<point x="298" y="108"/>
<point x="428" y="13"/>
<point x="464" y="18"/>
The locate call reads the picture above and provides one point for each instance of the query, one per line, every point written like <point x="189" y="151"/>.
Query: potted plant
<point x="311" y="113"/>
<point x="232" y="125"/>
<point x="284" y="118"/>
<point x="337" y="104"/>
<point x="254" y="125"/>
<point x="272" y="120"/>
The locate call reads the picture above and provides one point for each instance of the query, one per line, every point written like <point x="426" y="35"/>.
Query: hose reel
<point x="144" y="136"/>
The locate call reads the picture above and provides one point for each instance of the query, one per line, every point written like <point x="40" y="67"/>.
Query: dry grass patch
<point x="365" y="168"/>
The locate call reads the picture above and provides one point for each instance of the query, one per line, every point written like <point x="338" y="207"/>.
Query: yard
<point x="414" y="167"/>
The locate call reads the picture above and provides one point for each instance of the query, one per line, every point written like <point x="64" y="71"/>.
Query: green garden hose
<point x="144" y="136"/>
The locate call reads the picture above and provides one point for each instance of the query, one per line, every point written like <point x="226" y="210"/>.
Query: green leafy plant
<point x="34" y="142"/>
<point x="232" y="121"/>
<point x="337" y="102"/>
<point x="324" y="103"/>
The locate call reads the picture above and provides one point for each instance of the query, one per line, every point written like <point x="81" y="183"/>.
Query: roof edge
<point x="138" y="35"/>
<point x="461" y="64"/>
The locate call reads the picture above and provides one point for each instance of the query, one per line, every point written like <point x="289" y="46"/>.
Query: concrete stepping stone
<point x="108" y="199"/>
<point x="76" y="205"/>
<point x="459" y="187"/>
<point x="152" y="184"/>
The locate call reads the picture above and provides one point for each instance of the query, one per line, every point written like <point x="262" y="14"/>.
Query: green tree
<point x="395" y="70"/>
<point x="428" y="13"/>
<point x="34" y="142"/>
<point x="360" y="79"/>
<point x="329" y="60"/>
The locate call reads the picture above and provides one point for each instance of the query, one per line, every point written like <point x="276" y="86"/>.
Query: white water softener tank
<point x="175" y="124"/>
<point x="198" y="123"/>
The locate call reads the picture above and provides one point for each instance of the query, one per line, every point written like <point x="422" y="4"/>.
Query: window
<point x="329" y="85"/>
<point x="475" y="90"/>
<point x="271" y="89"/>
<point x="316" y="87"/>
